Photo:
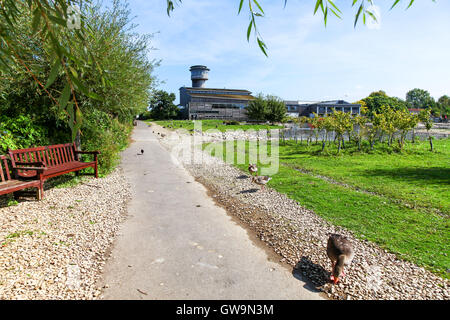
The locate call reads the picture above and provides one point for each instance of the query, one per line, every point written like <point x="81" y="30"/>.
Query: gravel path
<point x="299" y="236"/>
<point x="56" y="248"/>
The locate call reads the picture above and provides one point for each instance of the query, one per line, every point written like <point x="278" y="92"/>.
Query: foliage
<point x="444" y="105"/>
<point x="376" y="100"/>
<point x="103" y="132"/>
<point x="162" y="106"/>
<point x="267" y="108"/>
<point x="421" y="99"/>
<point x="276" y="109"/>
<point x="76" y="54"/>
<point x="20" y="132"/>
<point x="257" y="108"/>
<point x="106" y="56"/>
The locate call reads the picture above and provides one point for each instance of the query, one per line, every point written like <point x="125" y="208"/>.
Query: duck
<point x="261" y="180"/>
<point x="252" y="168"/>
<point x="341" y="253"/>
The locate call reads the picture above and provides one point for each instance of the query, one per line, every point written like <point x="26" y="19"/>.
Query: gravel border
<point x="56" y="248"/>
<point x="300" y="236"/>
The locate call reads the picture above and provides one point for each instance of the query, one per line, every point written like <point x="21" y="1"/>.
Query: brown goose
<point x="261" y="180"/>
<point x="252" y="168"/>
<point x="340" y="251"/>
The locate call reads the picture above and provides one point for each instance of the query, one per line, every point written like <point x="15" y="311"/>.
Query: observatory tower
<point x="199" y="75"/>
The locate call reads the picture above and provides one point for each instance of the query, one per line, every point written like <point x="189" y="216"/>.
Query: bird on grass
<point x="253" y="169"/>
<point x="340" y="251"/>
<point x="261" y="180"/>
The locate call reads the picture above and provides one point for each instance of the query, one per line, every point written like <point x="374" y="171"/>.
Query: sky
<point x="306" y="61"/>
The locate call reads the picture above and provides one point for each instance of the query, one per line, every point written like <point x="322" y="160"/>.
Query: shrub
<point x="21" y="132"/>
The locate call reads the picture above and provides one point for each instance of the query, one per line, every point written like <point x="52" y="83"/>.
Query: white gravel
<point x="56" y="248"/>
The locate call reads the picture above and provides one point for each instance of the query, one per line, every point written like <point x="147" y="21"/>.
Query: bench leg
<point x="96" y="170"/>
<point x="38" y="194"/>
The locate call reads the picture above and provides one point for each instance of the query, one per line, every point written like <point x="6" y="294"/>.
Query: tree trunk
<point x="431" y="142"/>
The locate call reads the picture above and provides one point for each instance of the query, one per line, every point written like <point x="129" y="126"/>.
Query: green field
<point x="210" y="124"/>
<point x="398" y="200"/>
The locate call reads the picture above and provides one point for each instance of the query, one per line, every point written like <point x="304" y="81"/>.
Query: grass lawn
<point x="210" y="124"/>
<point x="406" y="211"/>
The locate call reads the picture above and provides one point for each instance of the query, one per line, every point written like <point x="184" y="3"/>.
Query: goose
<point x="340" y="251"/>
<point x="252" y="168"/>
<point x="261" y="180"/>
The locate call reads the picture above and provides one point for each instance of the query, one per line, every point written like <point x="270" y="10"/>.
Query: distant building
<point x="304" y="108"/>
<point x="199" y="102"/>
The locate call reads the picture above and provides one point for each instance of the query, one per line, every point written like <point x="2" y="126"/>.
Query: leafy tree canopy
<point x="162" y="106"/>
<point x="376" y="100"/>
<point x="419" y="98"/>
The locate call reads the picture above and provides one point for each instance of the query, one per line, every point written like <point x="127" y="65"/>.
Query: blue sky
<point x="307" y="61"/>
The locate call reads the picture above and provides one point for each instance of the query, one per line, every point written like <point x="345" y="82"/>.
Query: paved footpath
<point x="177" y="244"/>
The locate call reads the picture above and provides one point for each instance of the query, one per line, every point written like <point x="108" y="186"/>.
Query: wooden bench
<point x="9" y="182"/>
<point x="57" y="159"/>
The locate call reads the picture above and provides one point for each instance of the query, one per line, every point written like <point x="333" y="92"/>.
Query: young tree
<point x="405" y="122"/>
<point x="341" y="123"/>
<point x="425" y="118"/>
<point x="361" y="122"/>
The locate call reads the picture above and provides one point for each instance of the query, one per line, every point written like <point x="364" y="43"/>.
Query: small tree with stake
<point x="425" y="117"/>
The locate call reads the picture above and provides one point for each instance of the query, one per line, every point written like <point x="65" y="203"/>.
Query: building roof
<point x="223" y="96"/>
<point x="215" y="89"/>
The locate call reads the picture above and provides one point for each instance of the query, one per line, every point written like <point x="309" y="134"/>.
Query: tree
<point x="342" y="123"/>
<point x="257" y="108"/>
<point x="444" y="105"/>
<point x="425" y="118"/>
<point x="162" y="106"/>
<point x="405" y="121"/>
<point x="419" y="98"/>
<point x="276" y="109"/>
<point x="377" y="99"/>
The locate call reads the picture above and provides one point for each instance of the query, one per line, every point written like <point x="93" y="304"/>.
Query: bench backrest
<point x="4" y="169"/>
<point x="51" y="156"/>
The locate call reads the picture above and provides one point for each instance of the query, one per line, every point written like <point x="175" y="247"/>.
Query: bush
<point x="21" y="132"/>
<point x="100" y="131"/>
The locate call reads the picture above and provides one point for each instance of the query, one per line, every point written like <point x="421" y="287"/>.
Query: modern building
<point x="199" y="102"/>
<point x="304" y="108"/>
